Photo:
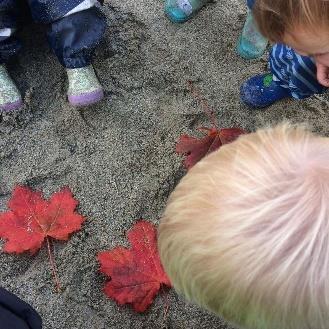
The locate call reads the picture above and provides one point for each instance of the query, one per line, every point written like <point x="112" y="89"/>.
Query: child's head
<point x="246" y="232"/>
<point x="301" y="24"/>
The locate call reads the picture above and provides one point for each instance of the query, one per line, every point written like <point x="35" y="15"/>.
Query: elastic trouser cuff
<point x="74" y="38"/>
<point x="298" y="92"/>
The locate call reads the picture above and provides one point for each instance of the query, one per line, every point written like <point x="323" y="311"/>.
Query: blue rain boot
<point x="251" y="43"/>
<point x="180" y="11"/>
<point x="261" y="91"/>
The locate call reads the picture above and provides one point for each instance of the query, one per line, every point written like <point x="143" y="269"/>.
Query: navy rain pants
<point x="72" y="36"/>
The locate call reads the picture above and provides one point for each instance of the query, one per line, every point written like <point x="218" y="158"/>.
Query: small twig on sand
<point x="53" y="267"/>
<point x="166" y="305"/>
<point x="203" y="102"/>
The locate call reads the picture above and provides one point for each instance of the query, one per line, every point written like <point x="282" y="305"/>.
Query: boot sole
<point x="86" y="99"/>
<point x="9" y="107"/>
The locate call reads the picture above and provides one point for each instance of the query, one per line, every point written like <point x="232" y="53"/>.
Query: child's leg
<point x="73" y="38"/>
<point x="251" y="43"/>
<point x="292" y="75"/>
<point x="10" y="98"/>
<point x="179" y="11"/>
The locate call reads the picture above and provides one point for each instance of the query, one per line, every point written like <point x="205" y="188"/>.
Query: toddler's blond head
<point x="246" y="232"/>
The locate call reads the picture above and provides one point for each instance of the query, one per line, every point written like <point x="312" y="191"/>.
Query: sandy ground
<point x="118" y="157"/>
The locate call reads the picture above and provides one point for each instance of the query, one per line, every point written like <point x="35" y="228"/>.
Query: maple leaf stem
<point x="204" y="104"/>
<point x="166" y="304"/>
<point x="53" y="266"/>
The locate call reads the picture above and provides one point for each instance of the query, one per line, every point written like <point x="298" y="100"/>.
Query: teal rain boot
<point x="180" y="11"/>
<point x="251" y="44"/>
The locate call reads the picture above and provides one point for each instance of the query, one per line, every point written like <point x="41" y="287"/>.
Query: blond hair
<point x="245" y="233"/>
<point x="275" y="18"/>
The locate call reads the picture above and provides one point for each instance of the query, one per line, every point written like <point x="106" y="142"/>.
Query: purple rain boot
<point x="84" y="87"/>
<point x="10" y="97"/>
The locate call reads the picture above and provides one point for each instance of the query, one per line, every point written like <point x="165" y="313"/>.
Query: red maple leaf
<point x="196" y="148"/>
<point x="136" y="274"/>
<point x="31" y="219"/>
